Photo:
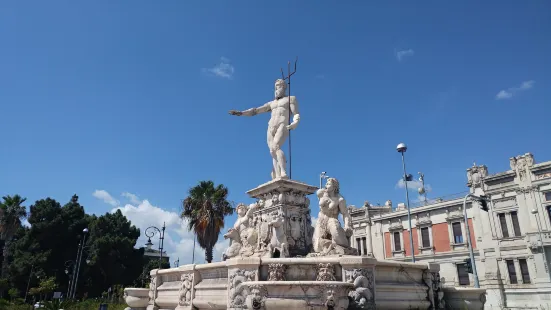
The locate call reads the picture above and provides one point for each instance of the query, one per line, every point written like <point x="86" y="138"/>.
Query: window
<point x="359" y="244"/>
<point x="512" y="271"/>
<point x="463" y="275"/>
<point x="524" y="271"/>
<point x="425" y="237"/>
<point x="516" y="226"/>
<point x="397" y="243"/>
<point x="548" y="196"/>
<point x="457" y="233"/>
<point x="364" y="245"/>
<point x="503" y="223"/>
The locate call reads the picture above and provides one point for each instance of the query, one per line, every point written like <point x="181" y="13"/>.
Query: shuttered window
<point x="397" y="243"/>
<point x="457" y="233"/>
<point x="516" y="225"/>
<point x="512" y="271"/>
<point x="503" y="224"/>
<point x="524" y="271"/>
<point x="425" y="237"/>
<point x="463" y="275"/>
<point x="365" y="245"/>
<point x="359" y="244"/>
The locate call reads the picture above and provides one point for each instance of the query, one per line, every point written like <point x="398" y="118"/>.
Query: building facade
<point x="511" y="241"/>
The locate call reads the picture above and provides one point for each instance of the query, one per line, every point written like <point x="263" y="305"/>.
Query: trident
<point x="288" y="79"/>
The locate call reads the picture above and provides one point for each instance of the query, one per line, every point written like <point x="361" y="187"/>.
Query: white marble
<point x="282" y="107"/>
<point x="330" y="238"/>
<point x="333" y="282"/>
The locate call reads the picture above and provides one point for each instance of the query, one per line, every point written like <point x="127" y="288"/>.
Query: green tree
<point x="12" y="212"/>
<point x="13" y="293"/>
<point x="51" y="240"/>
<point x="47" y="286"/>
<point x="113" y="258"/>
<point x="205" y="209"/>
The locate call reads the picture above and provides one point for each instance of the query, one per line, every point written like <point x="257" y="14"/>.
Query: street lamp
<point x="76" y="271"/>
<point x="483" y="200"/>
<point x="69" y="268"/>
<point x="402" y="148"/>
<point x="323" y="175"/>
<point x="421" y="190"/>
<point x="150" y="232"/>
<point x="536" y="213"/>
<point x="29" y="282"/>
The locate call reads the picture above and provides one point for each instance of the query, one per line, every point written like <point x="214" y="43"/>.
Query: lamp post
<point x="78" y="261"/>
<point x="177" y="263"/>
<point x="484" y="206"/>
<point x="422" y="190"/>
<point x="402" y="148"/>
<point x="150" y="232"/>
<point x="29" y="282"/>
<point x="69" y="270"/>
<point x="323" y="175"/>
<point x="536" y="213"/>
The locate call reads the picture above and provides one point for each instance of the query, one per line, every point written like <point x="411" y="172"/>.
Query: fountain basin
<point x="136" y="298"/>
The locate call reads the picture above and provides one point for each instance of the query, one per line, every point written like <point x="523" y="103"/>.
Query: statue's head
<point x="280" y="87"/>
<point x="332" y="185"/>
<point x="241" y="209"/>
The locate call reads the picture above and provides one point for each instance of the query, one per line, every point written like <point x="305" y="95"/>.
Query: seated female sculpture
<point x="329" y="236"/>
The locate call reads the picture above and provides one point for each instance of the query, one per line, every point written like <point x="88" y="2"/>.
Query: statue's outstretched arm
<point x="253" y="111"/>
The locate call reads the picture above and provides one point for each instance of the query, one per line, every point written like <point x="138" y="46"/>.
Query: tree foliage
<point x="205" y="209"/>
<point x="39" y="253"/>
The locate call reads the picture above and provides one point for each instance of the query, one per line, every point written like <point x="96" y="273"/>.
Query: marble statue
<point x="278" y="126"/>
<point x="243" y="234"/>
<point x="329" y="236"/>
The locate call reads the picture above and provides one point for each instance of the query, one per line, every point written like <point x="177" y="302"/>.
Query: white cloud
<point x="223" y="69"/>
<point x="511" y="91"/>
<point x="413" y="185"/>
<point x="178" y="242"/>
<point x="132" y="197"/>
<point x="105" y="197"/>
<point x="400" y="55"/>
<point x="503" y="94"/>
<point x="25" y="223"/>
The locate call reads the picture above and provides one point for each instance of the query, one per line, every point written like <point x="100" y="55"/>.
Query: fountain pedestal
<point x="285" y="204"/>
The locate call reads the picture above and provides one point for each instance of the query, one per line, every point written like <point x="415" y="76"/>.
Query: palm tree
<point x="205" y="209"/>
<point x="12" y="212"/>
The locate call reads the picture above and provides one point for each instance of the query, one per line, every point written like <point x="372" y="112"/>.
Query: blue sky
<point x="132" y="96"/>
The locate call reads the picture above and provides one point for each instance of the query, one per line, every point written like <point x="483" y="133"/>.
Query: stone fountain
<point x="277" y="260"/>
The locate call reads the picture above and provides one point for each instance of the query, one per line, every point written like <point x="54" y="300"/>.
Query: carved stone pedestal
<point x="283" y="219"/>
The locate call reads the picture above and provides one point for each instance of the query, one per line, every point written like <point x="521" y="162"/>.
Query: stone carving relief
<point x="257" y="297"/>
<point x="435" y="292"/>
<point x="363" y="295"/>
<point x="423" y="219"/>
<point x="476" y="174"/>
<point x="276" y="272"/>
<point x="237" y="291"/>
<point x="334" y="297"/>
<point x="521" y="165"/>
<point x="185" y="289"/>
<point x="243" y="235"/>
<point x="330" y="238"/>
<point x="326" y="272"/>
<point x="154" y="282"/>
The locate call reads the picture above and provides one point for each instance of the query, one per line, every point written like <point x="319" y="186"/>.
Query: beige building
<point x="506" y="239"/>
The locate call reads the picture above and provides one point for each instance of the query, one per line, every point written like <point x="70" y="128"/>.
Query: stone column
<point x="153" y="285"/>
<point x="239" y="271"/>
<point x="360" y="271"/>
<point x="188" y="279"/>
<point x="369" y="238"/>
